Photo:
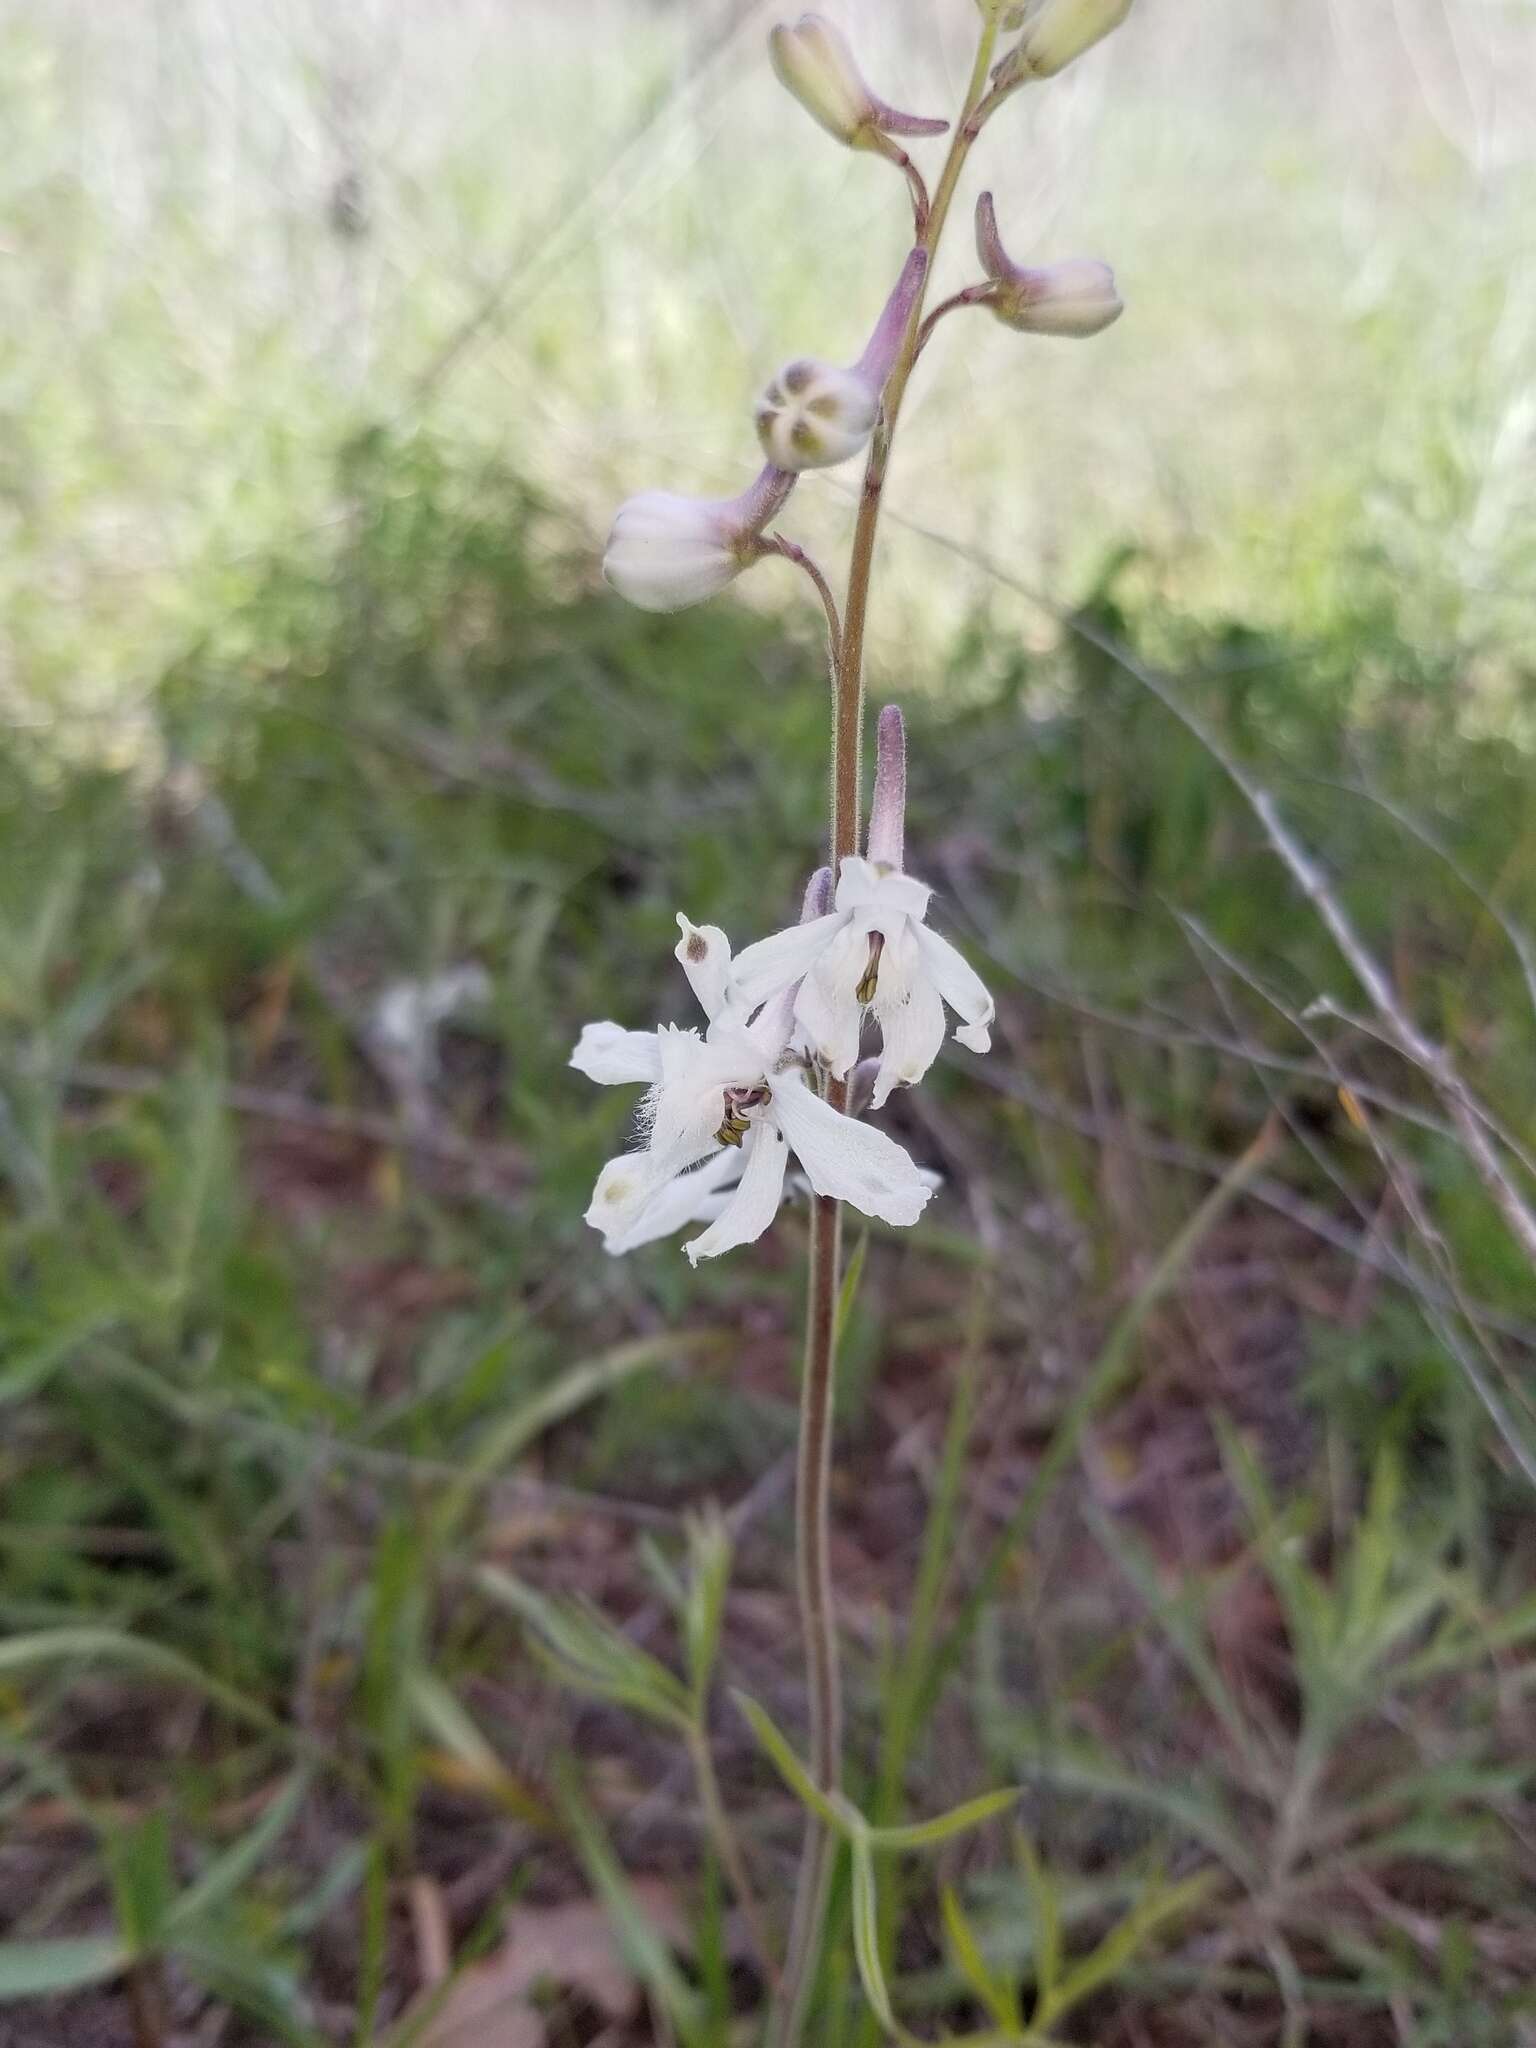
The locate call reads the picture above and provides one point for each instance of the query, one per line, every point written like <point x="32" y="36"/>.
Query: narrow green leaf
<point x="225" y="1875"/>
<point x="789" y="1766"/>
<point x="1118" y="1946"/>
<point x="999" y="1998"/>
<point x="924" y="1834"/>
<point x="43" y="1969"/>
<point x="643" y="1948"/>
<point x="848" y="1293"/>
<point x="91" y="1645"/>
<point x="866" y="1934"/>
<point x="1046" y="1909"/>
<point x="588" y="1654"/>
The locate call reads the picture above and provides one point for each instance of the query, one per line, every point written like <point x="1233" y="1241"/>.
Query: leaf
<point x="225" y="1875"/>
<point x="42" y="1969"/>
<point x="789" y="1766"/>
<point x="1046" y="1908"/>
<point x="641" y="1942"/>
<point x="924" y="1834"/>
<point x="88" y="1645"/>
<point x="585" y="1652"/>
<point x="848" y="1293"/>
<point x="709" y="1556"/>
<point x="1119" y="1945"/>
<point x="866" y="1934"/>
<point x="999" y="1998"/>
<point x="440" y="1713"/>
<point x="574" y="1388"/>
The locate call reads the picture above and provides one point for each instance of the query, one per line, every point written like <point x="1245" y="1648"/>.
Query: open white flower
<point x="739" y="1086"/>
<point x="666" y="552"/>
<point x="873" y="952"/>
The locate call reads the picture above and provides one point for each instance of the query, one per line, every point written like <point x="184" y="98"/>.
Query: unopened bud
<point x="813" y="61"/>
<point x="814" y="414"/>
<point x="666" y="552"/>
<point x="1076" y="298"/>
<point x="1056" y="32"/>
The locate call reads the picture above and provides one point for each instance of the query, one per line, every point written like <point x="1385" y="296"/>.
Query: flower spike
<point x="812" y="60"/>
<point x="1075" y="298"/>
<point x="874" y="953"/>
<point x="814" y="414"/>
<point x="666" y="552"/>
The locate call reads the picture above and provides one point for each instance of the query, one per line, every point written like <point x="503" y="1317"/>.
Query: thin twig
<point x="791" y="550"/>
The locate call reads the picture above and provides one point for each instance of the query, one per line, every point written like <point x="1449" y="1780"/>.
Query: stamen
<point x="871" y="981"/>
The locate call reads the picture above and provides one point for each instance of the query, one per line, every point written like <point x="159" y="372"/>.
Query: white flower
<point x="1076" y="298"/>
<point x="738" y="1086"/>
<point x="814" y="414"/>
<point x="874" y="952"/>
<point x="666" y="552"/>
<point x="1056" y="33"/>
<point x="813" y="61"/>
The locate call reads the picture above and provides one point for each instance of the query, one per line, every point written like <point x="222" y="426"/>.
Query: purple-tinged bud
<point x="888" y="812"/>
<point x="814" y="414"/>
<point x="812" y="60"/>
<point x="666" y="552"/>
<point x="1056" y="33"/>
<point x="1076" y="298"/>
<point x="818" y="896"/>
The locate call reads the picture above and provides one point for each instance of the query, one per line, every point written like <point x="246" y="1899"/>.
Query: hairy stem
<point x="813" y="1505"/>
<point x="848" y="710"/>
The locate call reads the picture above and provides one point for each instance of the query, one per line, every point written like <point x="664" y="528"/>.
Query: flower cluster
<point x="665" y="551"/>
<point x="771" y="1071"/>
<point x="726" y="1106"/>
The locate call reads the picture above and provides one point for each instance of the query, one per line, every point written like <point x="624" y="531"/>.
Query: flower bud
<point x="666" y="552"/>
<point x="813" y="61"/>
<point x="1074" y="298"/>
<point x="814" y="414"/>
<point x="1055" y="33"/>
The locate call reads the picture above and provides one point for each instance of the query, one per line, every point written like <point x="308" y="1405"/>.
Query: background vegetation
<point x="1187" y="1455"/>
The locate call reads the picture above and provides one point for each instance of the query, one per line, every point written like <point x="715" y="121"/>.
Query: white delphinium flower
<point x="1075" y="298"/>
<point x="666" y="552"/>
<point x="741" y="1087"/>
<point x="813" y="61"/>
<point x="814" y="414"/>
<point x="873" y="952"/>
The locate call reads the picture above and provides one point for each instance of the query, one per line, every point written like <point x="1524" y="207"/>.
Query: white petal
<point x="827" y="1008"/>
<point x="756" y="1201"/>
<point x="610" y="1054"/>
<point x="618" y="1200"/>
<point x="909" y="1012"/>
<point x="774" y="963"/>
<point x="960" y="986"/>
<point x="704" y="953"/>
<point x="694" y="1197"/>
<point x="686" y="1108"/>
<point x="847" y="1159"/>
<point x="863" y="887"/>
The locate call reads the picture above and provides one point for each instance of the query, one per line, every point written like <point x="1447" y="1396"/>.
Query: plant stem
<point x="813" y="1493"/>
<point x="848" y="710"/>
<point x="813" y="1488"/>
